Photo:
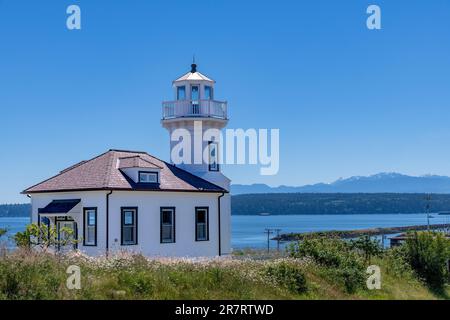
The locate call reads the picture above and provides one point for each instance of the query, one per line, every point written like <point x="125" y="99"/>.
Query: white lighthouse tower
<point x="195" y="111"/>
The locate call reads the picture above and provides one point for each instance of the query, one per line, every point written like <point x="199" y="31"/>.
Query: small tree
<point x="3" y="232"/>
<point x="44" y="236"/>
<point x="427" y="253"/>
<point x="370" y="248"/>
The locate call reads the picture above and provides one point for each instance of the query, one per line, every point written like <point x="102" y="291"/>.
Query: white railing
<point x="197" y="108"/>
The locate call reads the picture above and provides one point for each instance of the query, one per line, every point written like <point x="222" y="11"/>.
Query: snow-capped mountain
<point x="381" y="182"/>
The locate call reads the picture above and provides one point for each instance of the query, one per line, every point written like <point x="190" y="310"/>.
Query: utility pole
<point x="269" y="232"/>
<point x="278" y="238"/>
<point x="428" y="199"/>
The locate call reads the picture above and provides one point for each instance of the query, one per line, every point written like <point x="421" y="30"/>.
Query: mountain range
<point x="377" y="183"/>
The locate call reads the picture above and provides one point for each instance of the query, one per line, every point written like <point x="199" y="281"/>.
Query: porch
<point x="62" y="214"/>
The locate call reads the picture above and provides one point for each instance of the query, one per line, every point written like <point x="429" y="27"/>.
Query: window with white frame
<point x="148" y="177"/>
<point x="201" y="224"/>
<point x="90" y="227"/>
<point x="167" y="225"/>
<point x="129" y="226"/>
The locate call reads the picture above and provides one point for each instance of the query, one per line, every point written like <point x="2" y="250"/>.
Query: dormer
<point x="139" y="170"/>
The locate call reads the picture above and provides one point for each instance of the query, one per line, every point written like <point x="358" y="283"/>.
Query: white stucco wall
<point x="149" y="204"/>
<point x="88" y="199"/>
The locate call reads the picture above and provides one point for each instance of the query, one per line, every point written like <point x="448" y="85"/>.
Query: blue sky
<point x="347" y="100"/>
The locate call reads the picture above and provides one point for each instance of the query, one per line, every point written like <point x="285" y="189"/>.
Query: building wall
<point x="149" y="204"/>
<point x="88" y="199"/>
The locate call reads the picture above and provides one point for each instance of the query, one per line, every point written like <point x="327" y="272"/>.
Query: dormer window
<point x="148" y="177"/>
<point x="181" y="93"/>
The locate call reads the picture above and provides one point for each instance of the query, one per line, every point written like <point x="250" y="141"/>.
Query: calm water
<point x="13" y="225"/>
<point x="248" y="231"/>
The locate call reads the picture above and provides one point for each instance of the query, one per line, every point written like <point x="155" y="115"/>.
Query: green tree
<point x="3" y="232"/>
<point x="427" y="253"/>
<point x="368" y="247"/>
<point x="44" y="237"/>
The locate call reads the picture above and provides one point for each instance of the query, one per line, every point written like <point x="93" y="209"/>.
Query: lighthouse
<point x="195" y="112"/>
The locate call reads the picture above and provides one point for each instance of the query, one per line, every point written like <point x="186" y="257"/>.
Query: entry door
<point x="64" y="235"/>
<point x="195" y="97"/>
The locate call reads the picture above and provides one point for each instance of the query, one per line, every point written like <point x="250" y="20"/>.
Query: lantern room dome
<point x="193" y="75"/>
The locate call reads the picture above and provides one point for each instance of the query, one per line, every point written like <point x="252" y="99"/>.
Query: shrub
<point x="397" y="263"/>
<point x="288" y="275"/>
<point x="341" y="262"/>
<point x="427" y="253"/>
<point x="138" y="282"/>
<point x="368" y="247"/>
<point x="29" y="276"/>
<point x="43" y="236"/>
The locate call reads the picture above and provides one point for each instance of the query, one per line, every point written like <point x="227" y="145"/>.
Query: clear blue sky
<point x="348" y="101"/>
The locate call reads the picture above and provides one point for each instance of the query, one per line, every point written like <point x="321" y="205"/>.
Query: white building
<point x="128" y="200"/>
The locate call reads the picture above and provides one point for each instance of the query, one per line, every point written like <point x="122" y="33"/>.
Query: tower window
<point x="213" y="156"/>
<point x="208" y="93"/>
<point x="181" y="93"/>
<point x="194" y="93"/>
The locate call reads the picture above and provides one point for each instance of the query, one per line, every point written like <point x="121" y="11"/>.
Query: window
<point x="167" y="225"/>
<point x="148" y="177"/>
<point x="194" y="93"/>
<point x="129" y="226"/>
<point x="90" y="227"/>
<point x="195" y="97"/>
<point x="208" y="93"/>
<point x="181" y="93"/>
<point x="213" y="156"/>
<point x="201" y="224"/>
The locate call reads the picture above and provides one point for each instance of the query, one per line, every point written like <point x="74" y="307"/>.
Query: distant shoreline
<point x="330" y="214"/>
<point x="349" y="234"/>
<point x="298" y="214"/>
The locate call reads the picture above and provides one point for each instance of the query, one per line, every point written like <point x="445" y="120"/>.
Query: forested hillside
<point x="15" y="210"/>
<point x="336" y="203"/>
<point x="310" y="203"/>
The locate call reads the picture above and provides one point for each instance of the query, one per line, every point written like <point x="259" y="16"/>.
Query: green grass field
<point x="246" y="275"/>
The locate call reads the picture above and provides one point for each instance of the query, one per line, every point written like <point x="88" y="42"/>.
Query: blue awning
<point x="59" y="206"/>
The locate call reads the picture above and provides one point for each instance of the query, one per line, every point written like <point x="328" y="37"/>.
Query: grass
<point x="245" y="275"/>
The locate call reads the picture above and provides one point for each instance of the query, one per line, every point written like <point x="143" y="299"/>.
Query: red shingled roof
<point x="103" y="173"/>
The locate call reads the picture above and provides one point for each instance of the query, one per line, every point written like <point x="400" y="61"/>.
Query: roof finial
<point x="193" y="65"/>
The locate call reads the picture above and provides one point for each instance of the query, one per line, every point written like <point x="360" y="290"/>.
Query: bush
<point x="341" y="262"/>
<point x="289" y="276"/>
<point x="368" y="247"/>
<point x="427" y="253"/>
<point x="30" y="276"/>
<point x="397" y="263"/>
